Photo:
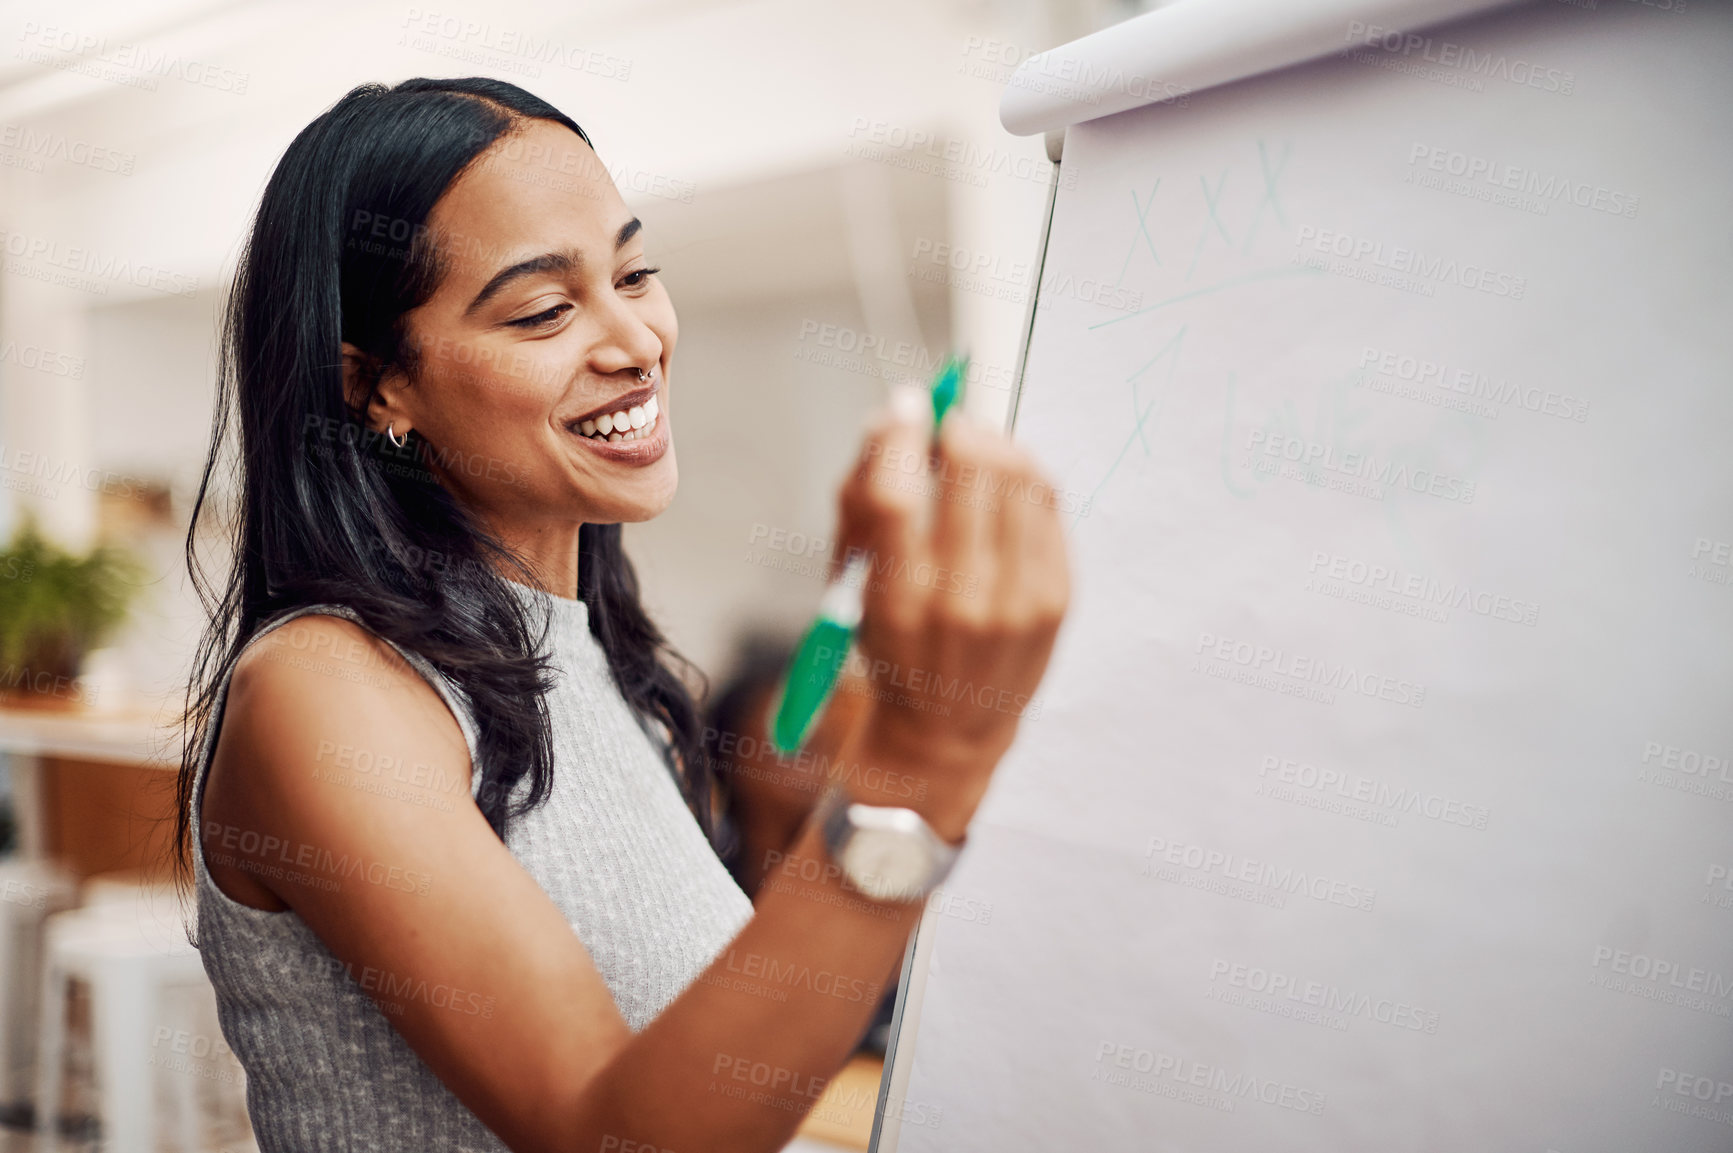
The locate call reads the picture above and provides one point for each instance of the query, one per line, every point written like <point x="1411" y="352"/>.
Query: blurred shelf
<point x="127" y="736"/>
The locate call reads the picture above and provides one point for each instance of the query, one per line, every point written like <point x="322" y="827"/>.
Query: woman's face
<point x="544" y="314"/>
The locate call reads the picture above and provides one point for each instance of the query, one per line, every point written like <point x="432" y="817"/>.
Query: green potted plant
<point x="55" y="606"/>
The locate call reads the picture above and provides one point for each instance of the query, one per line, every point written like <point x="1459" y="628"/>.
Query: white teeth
<point x="635" y="423"/>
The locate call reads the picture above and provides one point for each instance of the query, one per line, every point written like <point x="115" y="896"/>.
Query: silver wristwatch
<point x="888" y="853"/>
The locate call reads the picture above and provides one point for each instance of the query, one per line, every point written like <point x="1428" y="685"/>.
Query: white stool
<point x="30" y="892"/>
<point x="129" y="954"/>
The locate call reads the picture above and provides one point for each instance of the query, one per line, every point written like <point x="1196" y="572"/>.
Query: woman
<point x="449" y="847"/>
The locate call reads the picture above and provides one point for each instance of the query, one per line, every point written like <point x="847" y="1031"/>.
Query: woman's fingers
<point x="961" y="607"/>
<point x="881" y="512"/>
<point x="1036" y="585"/>
<point x="963" y="540"/>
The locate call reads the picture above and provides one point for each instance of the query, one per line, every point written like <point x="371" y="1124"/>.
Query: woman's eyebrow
<point x="564" y="260"/>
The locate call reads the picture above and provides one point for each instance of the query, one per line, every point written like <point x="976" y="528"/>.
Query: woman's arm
<point x="528" y="1036"/>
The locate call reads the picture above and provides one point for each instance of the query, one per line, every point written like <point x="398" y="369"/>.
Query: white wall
<point x="774" y="124"/>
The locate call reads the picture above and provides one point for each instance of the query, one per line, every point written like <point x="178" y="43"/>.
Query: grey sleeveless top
<point x="614" y="846"/>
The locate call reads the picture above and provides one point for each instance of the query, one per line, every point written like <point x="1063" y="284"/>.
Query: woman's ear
<point x="371" y="391"/>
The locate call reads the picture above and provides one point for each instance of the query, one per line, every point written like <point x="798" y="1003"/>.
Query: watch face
<point x="883" y="863"/>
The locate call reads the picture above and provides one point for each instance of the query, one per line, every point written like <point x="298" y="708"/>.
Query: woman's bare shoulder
<point x="324" y="717"/>
<point x="342" y="795"/>
<point x="324" y="643"/>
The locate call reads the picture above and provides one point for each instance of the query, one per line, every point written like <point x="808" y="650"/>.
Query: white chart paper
<point x="1380" y="796"/>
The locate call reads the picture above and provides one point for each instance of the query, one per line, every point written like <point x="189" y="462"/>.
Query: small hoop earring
<point x="395" y="443"/>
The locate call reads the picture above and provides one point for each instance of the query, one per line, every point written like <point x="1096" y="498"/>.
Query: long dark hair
<point x="328" y="511"/>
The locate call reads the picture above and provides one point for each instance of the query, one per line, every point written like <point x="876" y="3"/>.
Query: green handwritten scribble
<point x="1232" y="282"/>
<point x="1211" y="200"/>
<point x="1142" y="211"/>
<point x="1271" y="177"/>
<point x="1141" y="410"/>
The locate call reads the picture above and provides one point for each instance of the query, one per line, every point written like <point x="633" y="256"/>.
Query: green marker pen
<point x="824" y="649"/>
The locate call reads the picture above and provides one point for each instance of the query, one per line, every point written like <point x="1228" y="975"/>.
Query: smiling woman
<point x="447" y="378"/>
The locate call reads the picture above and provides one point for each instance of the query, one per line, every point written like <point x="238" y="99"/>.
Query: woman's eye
<point x="637" y="278"/>
<point x="541" y="319"/>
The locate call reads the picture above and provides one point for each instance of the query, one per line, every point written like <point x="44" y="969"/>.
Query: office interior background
<point x="826" y="186"/>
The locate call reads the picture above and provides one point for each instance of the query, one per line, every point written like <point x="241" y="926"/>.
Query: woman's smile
<point x="631" y="429"/>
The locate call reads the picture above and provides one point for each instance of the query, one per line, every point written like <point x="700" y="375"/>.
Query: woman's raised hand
<point x="968" y="584"/>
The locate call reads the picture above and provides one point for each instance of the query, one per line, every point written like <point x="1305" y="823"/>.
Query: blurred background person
<point x="762" y="797"/>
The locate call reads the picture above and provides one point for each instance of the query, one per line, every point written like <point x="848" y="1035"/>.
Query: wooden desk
<point x="93" y="788"/>
<point x="844" y="1115"/>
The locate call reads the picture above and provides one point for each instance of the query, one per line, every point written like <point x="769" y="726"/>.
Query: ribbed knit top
<point x="614" y="846"/>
